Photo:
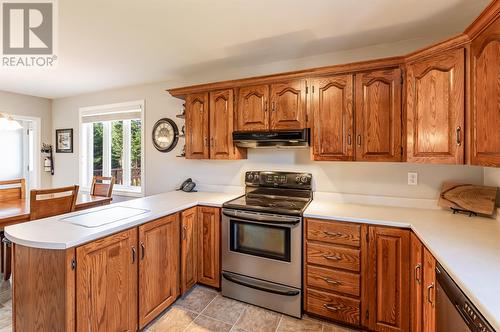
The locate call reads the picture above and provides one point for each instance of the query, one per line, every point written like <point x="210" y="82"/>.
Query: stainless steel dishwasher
<point x="455" y="313"/>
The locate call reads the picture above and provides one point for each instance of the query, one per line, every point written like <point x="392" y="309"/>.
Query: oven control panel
<point x="278" y="179"/>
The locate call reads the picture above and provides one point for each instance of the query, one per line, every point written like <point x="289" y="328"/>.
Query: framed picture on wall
<point x="64" y="140"/>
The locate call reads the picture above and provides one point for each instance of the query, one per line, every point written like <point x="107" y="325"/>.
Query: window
<point x="112" y="145"/>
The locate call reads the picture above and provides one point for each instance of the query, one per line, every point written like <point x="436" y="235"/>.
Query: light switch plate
<point x="412" y="178"/>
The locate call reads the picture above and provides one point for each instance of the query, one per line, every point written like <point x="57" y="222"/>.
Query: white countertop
<point x="468" y="248"/>
<point x="55" y="233"/>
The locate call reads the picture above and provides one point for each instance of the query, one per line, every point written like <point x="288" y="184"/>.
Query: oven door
<point x="262" y="246"/>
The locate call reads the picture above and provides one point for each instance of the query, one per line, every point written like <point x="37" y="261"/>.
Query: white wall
<point x="13" y="103"/>
<point x="165" y="172"/>
<point x="492" y="178"/>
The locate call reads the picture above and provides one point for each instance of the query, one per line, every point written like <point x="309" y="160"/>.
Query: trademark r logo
<point x="27" y="28"/>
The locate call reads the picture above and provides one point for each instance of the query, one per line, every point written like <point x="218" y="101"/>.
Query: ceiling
<point x="115" y="43"/>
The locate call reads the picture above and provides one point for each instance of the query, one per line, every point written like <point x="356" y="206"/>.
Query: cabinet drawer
<point x="334" y="232"/>
<point x="333" y="280"/>
<point x="332" y="306"/>
<point x="332" y="256"/>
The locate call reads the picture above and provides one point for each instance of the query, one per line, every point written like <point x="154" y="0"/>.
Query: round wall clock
<point x="165" y="135"/>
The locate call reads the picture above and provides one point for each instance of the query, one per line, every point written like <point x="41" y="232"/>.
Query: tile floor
<point x="202" y="310"/>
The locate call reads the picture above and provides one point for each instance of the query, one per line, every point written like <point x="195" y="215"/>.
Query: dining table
<point x="14" y="211"/>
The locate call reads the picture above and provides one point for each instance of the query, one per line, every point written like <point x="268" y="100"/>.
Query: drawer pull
<point x="332" y="308"/>
<point x="429" y="291"/>
<point x="336" y="234"/>
<point x="333" y="258"/>
<point x="418" y="268"/>
<point x="331" y="281"/>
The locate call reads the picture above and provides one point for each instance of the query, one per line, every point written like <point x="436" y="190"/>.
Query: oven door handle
<point x="276" y="220"/>
<point x="238" y="281"/>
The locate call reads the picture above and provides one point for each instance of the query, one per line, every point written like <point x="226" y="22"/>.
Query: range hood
<point x="272" y="139"/>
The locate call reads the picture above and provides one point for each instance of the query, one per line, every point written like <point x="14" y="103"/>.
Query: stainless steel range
<point x="262" y="241"/>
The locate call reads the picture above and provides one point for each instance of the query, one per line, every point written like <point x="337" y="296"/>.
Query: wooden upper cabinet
<point x="106" y="284"/>
<point x="332" y="107"/>
<point x="222" y="126"/>
<point x="209" y="246"/>
<point x="189" y="247"/>
<point x="197" y="126"/>
<point x="378" y="115"/>
<point x="158" y="266"/>
<point x="387" y="279"/>
<point x="485" y="97"/>
<point x="429" y="300"/>
<point x="252" y="112"/>
<point x="288" y="105"/>
<point x="435" y="109"/>
<point x="416" y="283"/>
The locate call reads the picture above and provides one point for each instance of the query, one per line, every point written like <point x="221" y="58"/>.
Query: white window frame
<point x="87" y="148"/>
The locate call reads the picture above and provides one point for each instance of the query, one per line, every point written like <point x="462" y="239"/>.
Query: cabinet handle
<point x="211" y="142"/>
<point x="143" y="251"/>
<point x="331" y="281"/>
<point x="274" y="108"/>
<point x="459" y="142"/>
<point x="335" y="234"/>
<point x="265" y="105"/>
<point x="133" y="255"/>
<point x="418" y="269"/>
<point x="205" y="140"/>
<point x="184" y="230"/>
<point x="332" y="308"/>
<point x="359" y="140"/>
<point x="333" y="258"/>
<point x="349" y="140"/>
<point x="429" y="289"/>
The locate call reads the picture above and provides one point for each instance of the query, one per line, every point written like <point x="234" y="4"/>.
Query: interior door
<point x="387" y="279"/>
<point x="436" y="109"/>
<point x="485" y="105"/>
<point x="197" y="123"/>
<point x="158" y="266"/>
<point x="106" y="284"/>
<point x="209" y="246"/>
<point x="378" y="115"/>
<point x="288" y="105"/>
<point x="189" y="247"/>
<point x="333" y="131"/>
<point x="252" y="112"/>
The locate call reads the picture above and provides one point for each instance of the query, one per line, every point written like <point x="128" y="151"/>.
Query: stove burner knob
<point x="297" y="179"/>
<point x="304" y="179"/>
<point x="250" y="176"/>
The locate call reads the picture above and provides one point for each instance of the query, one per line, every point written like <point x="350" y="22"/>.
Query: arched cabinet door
<point x="378" y="115"/>
<point x="332" y="107"/>
<point x="252" y="111"/>
<point x="435" y="109"/>
<point x="197" y="122"/>
<point x="288" y="105"/>
<point x="485" y="97"/>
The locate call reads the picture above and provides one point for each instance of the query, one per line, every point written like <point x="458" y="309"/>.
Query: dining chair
<point x="44" y="203"/>
<point x="102" y="186"/>
<point x="10" y="189"/>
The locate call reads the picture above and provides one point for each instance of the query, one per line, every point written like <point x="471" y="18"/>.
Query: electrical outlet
<point x="412" y="178"/>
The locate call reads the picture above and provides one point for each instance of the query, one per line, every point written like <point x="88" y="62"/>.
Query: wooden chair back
<point x="12" y="189"/>
<point x="52" y="202"/>
<point x="102" y="186"/>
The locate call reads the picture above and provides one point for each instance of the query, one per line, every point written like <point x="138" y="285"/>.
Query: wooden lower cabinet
<point x="209" y="246"/>
<point x="189" y="246"/>
<point x="158" y="266"/>
<point x="106" y="283"/>
<point x="387" y="276"/>
<point x="429" y="296"/>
